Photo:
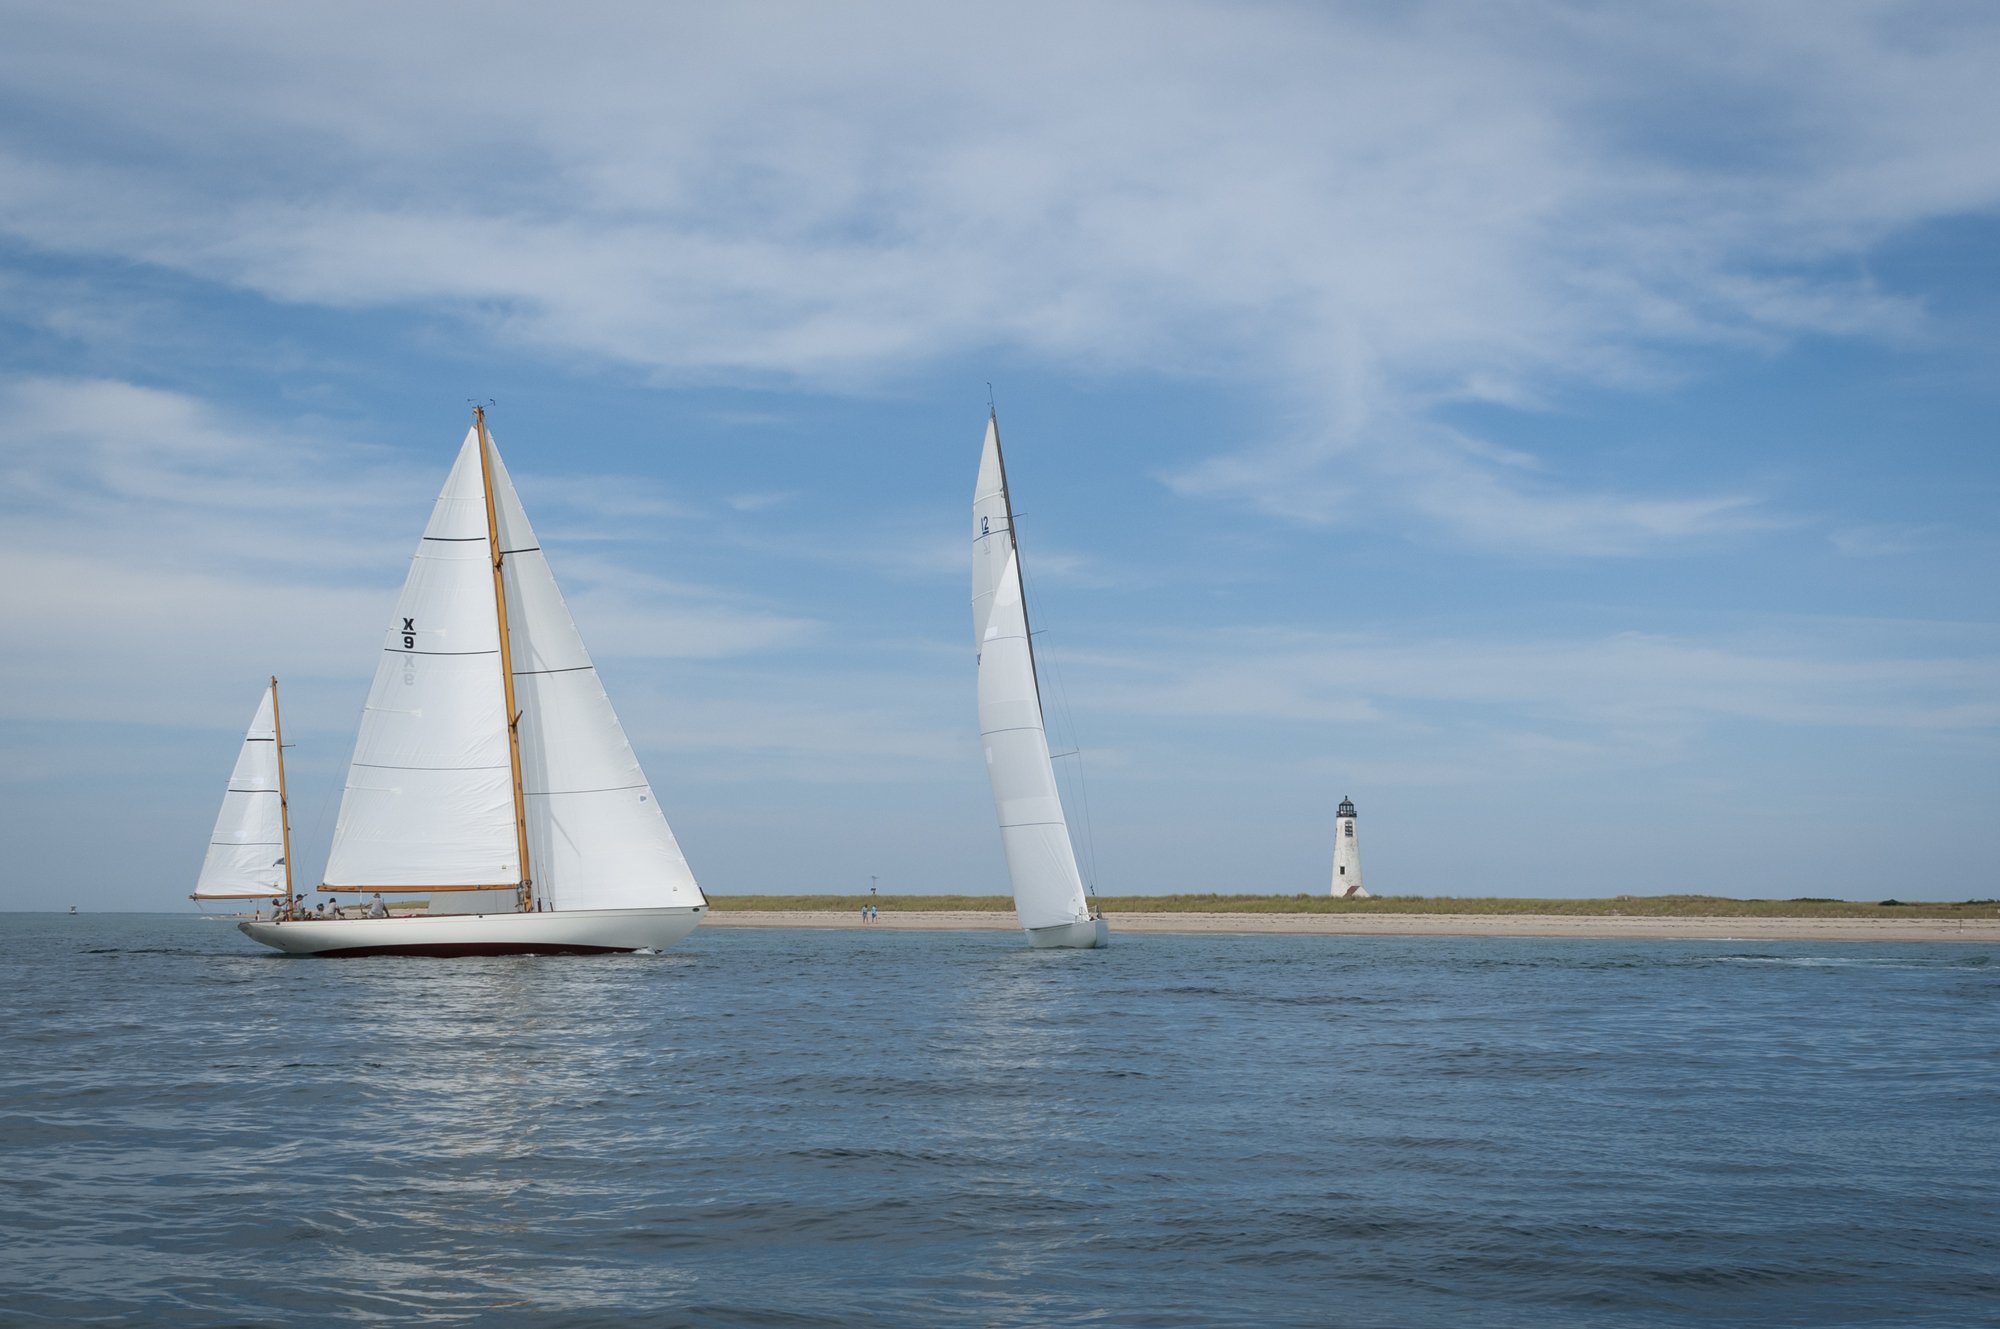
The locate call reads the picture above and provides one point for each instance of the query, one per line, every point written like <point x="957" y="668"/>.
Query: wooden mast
<point x="526" y="900"/>
<point x="284" y="806"/>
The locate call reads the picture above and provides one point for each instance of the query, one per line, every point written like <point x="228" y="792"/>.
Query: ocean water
<point x="944" y="1129"/>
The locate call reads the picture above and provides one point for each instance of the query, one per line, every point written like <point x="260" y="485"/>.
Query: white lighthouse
<point x="1346" y="855"/>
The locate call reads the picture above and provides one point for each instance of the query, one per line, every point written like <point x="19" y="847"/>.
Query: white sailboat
<point x="491" y="775"/>
<point x="1049" y="898"/>
<point x="250" y="851"/>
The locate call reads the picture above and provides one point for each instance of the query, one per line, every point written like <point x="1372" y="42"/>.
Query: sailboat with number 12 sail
<point x="1049" y="899"/>
<point x="491" y="776"/>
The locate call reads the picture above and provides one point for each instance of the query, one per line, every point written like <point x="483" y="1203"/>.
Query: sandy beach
<point x="1984" y="930"/>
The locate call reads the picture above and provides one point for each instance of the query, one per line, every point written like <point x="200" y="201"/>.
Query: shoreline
<point x="1581" y="926"/>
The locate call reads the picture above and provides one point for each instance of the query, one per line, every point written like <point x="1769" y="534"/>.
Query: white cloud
<point x="1355" y="220"/>
<point x="797" y="727"/>
<point x="1370" y="210"/>
<point x="1470" y="491"/>
<point x="1628" y="688"/>
<point x="144" y="525"/>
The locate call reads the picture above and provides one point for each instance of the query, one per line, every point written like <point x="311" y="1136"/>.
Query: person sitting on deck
<point x="376" y="909"/>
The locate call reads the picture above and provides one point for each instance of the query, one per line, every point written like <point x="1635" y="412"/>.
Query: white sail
<point x="246" y="852"/>
<point x="432" y="805"/>
<point x="1048" y="889"/>
<point x="429" y="799"/>
<point x="596" y="836"/>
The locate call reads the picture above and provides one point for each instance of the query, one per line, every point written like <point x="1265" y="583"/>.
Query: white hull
<point x="1085" y="936"/>
<point x="570" y="931"/>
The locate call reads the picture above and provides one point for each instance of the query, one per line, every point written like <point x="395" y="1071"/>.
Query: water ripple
<point x="938" y="1129"/>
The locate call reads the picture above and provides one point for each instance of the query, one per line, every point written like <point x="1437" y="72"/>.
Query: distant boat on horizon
<point x="490" y="774"/>
<point x="1049" y="899"/>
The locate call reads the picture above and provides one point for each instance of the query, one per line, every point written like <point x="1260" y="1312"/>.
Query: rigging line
<point x="1089" y="865"/>
<point x="1089" y="826"/>
<point x="316" y="833"/>
<point x="1082" y="786"/>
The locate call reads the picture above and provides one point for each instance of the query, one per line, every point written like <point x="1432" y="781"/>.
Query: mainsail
<point x="246" y="852"/>
<point x="430" y="804"/>
<point x="1048" y="889"/>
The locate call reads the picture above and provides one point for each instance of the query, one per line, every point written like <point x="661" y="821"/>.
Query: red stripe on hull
<point x="453" y="950"/>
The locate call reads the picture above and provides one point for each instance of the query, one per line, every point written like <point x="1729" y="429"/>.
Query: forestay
<point x="1048" y="889"/>
<point x="246" y="855"/>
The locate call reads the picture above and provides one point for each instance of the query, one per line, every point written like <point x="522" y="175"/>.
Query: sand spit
<point x="1985" y="930"/>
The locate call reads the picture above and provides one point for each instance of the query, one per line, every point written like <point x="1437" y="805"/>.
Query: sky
<point x="1567" y="429"/>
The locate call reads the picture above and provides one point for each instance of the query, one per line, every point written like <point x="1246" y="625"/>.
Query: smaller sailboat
<point x="1049" y="898"/>
<point x="250" y="852"/>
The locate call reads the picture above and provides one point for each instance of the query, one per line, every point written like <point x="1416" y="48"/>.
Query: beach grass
<point x="1630" y="906"/>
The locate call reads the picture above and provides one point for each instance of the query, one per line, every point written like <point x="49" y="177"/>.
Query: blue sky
<point x="1566" y="429"/>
